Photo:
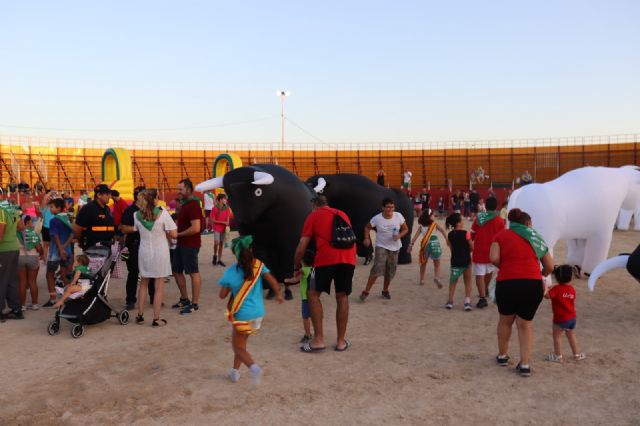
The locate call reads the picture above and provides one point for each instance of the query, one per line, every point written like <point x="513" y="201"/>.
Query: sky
<point x="358" y="71"/>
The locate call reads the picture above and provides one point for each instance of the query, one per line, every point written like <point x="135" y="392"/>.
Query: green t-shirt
<point x="304" y="281"/>
<point x="9" y="241"/>
<point x="85" y="271"/>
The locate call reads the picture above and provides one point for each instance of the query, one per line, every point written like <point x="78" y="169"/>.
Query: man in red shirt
<point x="331" y="264"/>
<point x="119" y="206"/>
<point x="185" y="259"/>
<point x="485" y="227"/>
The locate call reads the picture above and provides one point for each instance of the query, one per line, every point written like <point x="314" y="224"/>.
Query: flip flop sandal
<point x="159" y="322"/>
<point x="347" y="346"/>
<point x="307" y="348"/>
<point x="139" y="319"/>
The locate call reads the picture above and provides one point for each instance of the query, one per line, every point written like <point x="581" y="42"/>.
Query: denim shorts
<point x="185" y="260"/>
<point x="567" y="325"/>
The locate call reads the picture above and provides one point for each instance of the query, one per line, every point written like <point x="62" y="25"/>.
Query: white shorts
<point x="256" y="323"/>
<point x="480" y="269"/>
<point x="219" y="236"/>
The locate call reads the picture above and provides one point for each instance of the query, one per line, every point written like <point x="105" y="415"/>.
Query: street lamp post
<point x="282" y="94"/>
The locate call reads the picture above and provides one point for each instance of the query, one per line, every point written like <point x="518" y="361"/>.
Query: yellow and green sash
<point x="424" y="242"/>
<point x="243" y="327"/>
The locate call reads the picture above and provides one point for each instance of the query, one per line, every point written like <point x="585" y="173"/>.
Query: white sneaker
<point x="234" y="375"/>
<point x="449" y="306"/>
<point x="255" y="373"/>
<point x="34" y="306"/>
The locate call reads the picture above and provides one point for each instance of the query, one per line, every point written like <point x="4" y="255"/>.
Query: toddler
<point x="563" y="298"/>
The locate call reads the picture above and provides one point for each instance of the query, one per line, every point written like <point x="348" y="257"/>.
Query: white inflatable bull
<point x="581" y="206"/>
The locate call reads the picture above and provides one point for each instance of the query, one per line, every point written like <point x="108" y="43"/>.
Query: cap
<point x="102" y="189"/>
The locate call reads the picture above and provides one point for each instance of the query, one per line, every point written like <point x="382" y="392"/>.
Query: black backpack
<point x="342" y="236"/>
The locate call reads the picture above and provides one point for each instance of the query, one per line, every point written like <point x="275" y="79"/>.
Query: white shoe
<point x="234" y="375"/>
<point x="255" y="373"/>
<point x="34" y="306"/>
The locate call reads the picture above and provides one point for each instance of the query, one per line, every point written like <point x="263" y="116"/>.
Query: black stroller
<point x="93" y="307"/>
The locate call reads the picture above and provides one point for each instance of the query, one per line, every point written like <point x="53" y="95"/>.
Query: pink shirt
<point x="221" y="216"/>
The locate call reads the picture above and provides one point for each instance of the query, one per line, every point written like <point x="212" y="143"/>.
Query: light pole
<point x="282" y="94"/>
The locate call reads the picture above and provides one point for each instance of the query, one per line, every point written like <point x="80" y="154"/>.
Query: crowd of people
<point x="160" y="245"/>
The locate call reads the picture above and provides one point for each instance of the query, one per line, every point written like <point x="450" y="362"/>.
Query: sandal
<point x="553" y="357"/>
<point x="159" y="322"/>
<point x="579" y="357"/>
<point x="363" y="296"/>
<point x="139" y="319"/>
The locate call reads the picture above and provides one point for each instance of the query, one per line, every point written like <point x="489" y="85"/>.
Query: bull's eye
<point x="258" y="192"/>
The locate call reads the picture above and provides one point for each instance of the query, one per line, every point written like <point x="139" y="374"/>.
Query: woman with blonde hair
<point x="155" y="227"/>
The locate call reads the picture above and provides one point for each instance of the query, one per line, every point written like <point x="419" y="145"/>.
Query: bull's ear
<point x="210" y="184"/>
<point x="262" y="178"/>
<point x="320" y="186"/>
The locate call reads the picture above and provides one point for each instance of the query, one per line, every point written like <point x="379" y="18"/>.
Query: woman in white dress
<point x="155" y="227"/>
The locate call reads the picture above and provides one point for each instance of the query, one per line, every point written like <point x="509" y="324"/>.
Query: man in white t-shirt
<point x="390" y="227"/>
<point x="209" y="198"/>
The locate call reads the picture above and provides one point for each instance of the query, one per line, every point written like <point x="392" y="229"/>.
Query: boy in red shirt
<point x="486" y="226"/>
<point x="563" y="298"/>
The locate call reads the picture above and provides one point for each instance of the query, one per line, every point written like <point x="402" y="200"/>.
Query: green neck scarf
<point x="240" y="243"/>
<point x="210" y="195"/>
<point x="65" y="219"/>
<point x="192" y="198"/>
<point x="535" y="239"/>
<point x="221" y="207"/>
<point x="484" y="217"/>
<point x="148" y="224"/>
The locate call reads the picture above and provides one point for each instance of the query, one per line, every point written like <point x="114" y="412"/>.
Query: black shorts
<point x="341" y="274"/>
<point x="519" y="297"/>
<point x="185" y="260"/>
<point x="45" y="235"/>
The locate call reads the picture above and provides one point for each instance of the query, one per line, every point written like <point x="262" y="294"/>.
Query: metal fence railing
<point x="74" y="164"/>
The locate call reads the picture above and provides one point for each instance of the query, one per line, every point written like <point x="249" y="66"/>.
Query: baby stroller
<point x="92" y="307"/>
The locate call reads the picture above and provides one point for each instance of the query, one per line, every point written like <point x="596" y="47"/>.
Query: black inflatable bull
<point x="271" y="204"/>
<point x="361" y="199"/>
<point x="630" y="261"/>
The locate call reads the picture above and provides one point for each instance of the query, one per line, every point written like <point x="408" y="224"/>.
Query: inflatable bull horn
<point x="259" y="178"/>
<point x="630" y="261"/>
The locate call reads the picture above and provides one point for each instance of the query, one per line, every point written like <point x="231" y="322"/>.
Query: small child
<point x="563" y="298"/>
<point x="245" y="309"/>
<point x="81" y="280"/>
<point x="303" y="277"/>
<point x="461" y="245"/>
<point x="429" y="245"/>
<point x="440" y="206"/>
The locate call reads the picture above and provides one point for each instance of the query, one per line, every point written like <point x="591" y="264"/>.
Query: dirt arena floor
<point x="412" y="362"/>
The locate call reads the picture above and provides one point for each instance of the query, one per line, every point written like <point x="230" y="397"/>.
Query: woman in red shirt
<point x="518" y="251"/>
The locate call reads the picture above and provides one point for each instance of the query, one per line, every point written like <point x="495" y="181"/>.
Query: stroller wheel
<point x="123" y="317"/>
<point x="77" y="331"/>
<point x="53" y="328"/>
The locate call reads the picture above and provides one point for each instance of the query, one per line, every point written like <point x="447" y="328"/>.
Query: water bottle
<point x="394" y="233"/>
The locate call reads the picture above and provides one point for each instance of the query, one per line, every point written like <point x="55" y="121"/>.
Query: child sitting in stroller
<point x="81" y="281"/>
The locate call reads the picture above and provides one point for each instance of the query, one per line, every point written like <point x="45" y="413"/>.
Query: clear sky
<point x="357" y="70"/>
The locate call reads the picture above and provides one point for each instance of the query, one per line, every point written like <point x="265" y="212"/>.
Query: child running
<point x="563" y="299"/>
<point x="303" y="277"/>
<point x="461" y="245"/>
<point x="81" y="280"/>
<point x="245" y="309"/>
<point x="429" y="244"/>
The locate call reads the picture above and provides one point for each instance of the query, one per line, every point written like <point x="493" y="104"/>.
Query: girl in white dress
<point x="155" y="227"/>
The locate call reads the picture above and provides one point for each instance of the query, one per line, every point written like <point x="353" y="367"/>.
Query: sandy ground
<point x="412" y="362"/>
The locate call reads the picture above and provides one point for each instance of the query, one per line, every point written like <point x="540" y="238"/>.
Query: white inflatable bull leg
<point x="575" y="251"/>
<point x="624" y="219"/>
<point x="596" y="249"/>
